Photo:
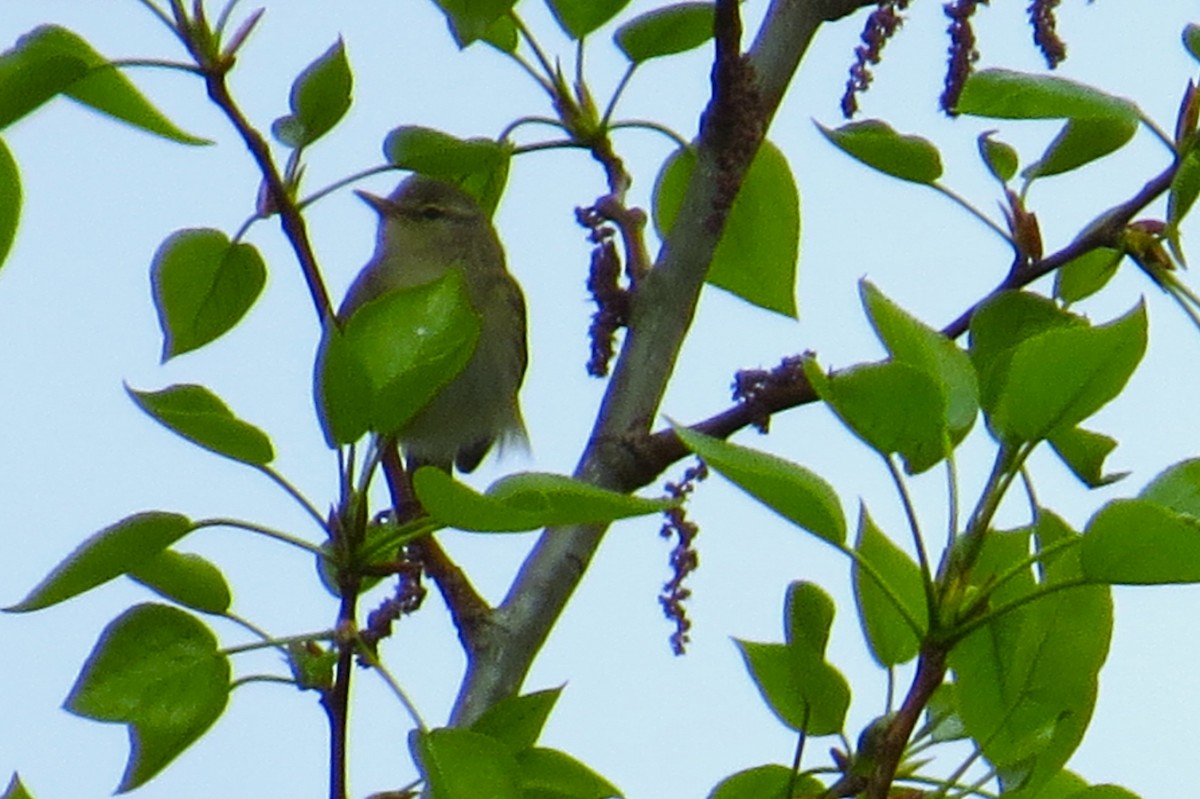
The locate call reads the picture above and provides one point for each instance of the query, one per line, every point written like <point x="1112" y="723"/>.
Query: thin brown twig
<point x="931" y="672"/>
<point x="290" y="219"/>
<point x="336" y="699"/>
<point x="468" y="610"/>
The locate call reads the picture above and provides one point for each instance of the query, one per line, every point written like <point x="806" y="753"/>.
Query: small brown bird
<point x="426" y="228"/>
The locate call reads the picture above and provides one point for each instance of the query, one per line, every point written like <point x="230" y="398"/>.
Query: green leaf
<point x="1058" y="378"/>
<point x="10" y="200"/>
<point x="910" y="341"/>
<point x="665" y="31"/>
<point x="893" y="407"/>
<point x="502" y="34"/>
<point x="201" y="417"/>
<point x="1080" y="142"/>
<point x="16" y="789"/>
<point x="1083" y="276"/>
<point x="312" y="666"/>
<point x="807" y="617"/>
<point x="942" y="716"/>
<point x="1084" y="452"/>
<point x="893" y="577"/>
<point x="1140" y="542"/>
<point x="479" y="166"/>
<point x="203" y="285"/>
<point x="765" y="782"/>
<point x="463" y="764"/>
<point x="524" y="501"/>
<point x="580" y="17"/>
<point x="1185" y="186"/>
<point x="1000" y="325"/>
<point x="1000" y="158"/>
<point x="795" y="493"/>
<point x="320" y="97"/>
<point x="185" y="578"/>
<point x="874" y="143"/>
<point x="1027" y="680"/>
<point x="345" y="396"/>
<point x="1177" y="487"/>
<point x="1191" y="40"/>
<point x="111" y="552"/>
<point x="551" y="774"/>
<point x="1063" y="785"/>
<point x="30" y="76"/>
<point x="1005" y="94"/>
<point x="158" y="670"/>
<point x="800" y="687"/>
<point x="756" y="257"/>
<point x="51" y="60"/>
<point x="471" y="20"/>
<point x="392" y="356"/>
<point x="1104" y="792"/>
<point x="517" y="721"/>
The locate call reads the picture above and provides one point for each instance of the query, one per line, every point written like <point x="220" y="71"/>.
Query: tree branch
<point x="290" y="219"/>
<point x="662" y="312"/>
<point x="658" y="451"/>
<point x="931" y="672"/>
<point x="467" y="607"/>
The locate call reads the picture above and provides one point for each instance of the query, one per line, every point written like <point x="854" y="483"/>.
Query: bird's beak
<point x="382" y="205"/>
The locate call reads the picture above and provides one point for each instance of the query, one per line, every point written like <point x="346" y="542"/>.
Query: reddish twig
<point x="468" y="610"/>
<point x="655" y="452"/>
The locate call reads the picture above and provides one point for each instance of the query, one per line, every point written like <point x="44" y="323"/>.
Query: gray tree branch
<point x="663" y="309"/>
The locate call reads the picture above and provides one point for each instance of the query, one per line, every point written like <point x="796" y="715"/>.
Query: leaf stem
<point x="158" y="12"/>
<point x="1017" y="569"/>
<point x="279" y="643"/>
<point x="159" y="63"/>
<point x="644" y="124"/>
<point x="996" y="613"/>
<point x="952" y="498"/>
<point x="945" y="785"/>
<point x="548" y="82"/>
<point x="223" y="18"/>
<point x="370" y="657"/>
<point x="278" y="535"/>
<point x="869" y="569"/>
<point x="1184" y="297"/>
<point x="1006" y="465"/>
<point x="579" y="64"/>
<point x="342" y="183"/>
<point x="557" y="144"/>
<point x="1158" y="132"/>
<point x="914" y="527"/>
<point x="236" y="619"/>
<point x="273" y="678"/>
<point x="529" y="70"/>
<point x="972" y="210"/>
<point x="801" y="738"/>
<point x="294" y="493"/>
<point x="511" y="127"/>
<point x="612" y="103"/>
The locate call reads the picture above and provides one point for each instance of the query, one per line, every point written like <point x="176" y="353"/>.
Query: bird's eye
<point x="432" y="212"/>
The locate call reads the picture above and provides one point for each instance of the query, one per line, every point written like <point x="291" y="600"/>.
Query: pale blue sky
<point x="76" y="320"/>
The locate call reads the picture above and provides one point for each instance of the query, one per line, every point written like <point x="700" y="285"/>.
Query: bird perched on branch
<point x="426" y="228"/>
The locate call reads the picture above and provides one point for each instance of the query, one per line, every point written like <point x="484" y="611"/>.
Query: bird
<point x="427" y="227"/>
